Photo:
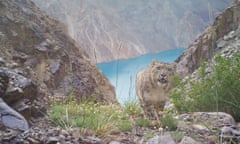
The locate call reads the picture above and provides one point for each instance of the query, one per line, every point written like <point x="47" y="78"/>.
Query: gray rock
<point x="11" y="119"/>
<point x="165" y="139"/>
<point x="42" y="47"/>
<point x="229" y="36"/>
<point x="55" y="66"/>
<point x="221" y="44"/>
<point x="188" y="140"/>
<point x="19" y="87"/>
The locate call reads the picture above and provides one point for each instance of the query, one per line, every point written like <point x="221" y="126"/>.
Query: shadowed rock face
<point x="38" y="48"/>
<point x="110" y="29"/>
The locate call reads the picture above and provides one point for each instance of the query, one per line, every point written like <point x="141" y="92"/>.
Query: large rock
<point x="38" y="48"/>
<point x="11" y="119"/>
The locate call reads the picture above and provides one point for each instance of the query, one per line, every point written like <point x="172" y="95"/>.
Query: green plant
<point x="143" y="122"/>
<point x="132" y="108"/>
<point x="217" y="91"/>
<point x="169" y="122"/>
<point x="177" y="135"/>
<point x="125" y="126"/>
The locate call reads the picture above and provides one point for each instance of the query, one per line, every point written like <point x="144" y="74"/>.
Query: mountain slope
<point x="164" y="24"/>
<point x="110" y="29"/>
<point x="102" y="35"/>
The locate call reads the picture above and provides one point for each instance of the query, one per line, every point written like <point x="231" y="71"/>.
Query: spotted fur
<point x="152" y="86"/>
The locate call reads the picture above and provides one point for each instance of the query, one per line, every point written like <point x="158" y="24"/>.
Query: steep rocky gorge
<point x="38" y="59"/>
<point x="110" y="29"/>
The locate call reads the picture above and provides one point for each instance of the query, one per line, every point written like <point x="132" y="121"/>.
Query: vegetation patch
<point x="217" y="90"/>
<point x="99" y="119"/>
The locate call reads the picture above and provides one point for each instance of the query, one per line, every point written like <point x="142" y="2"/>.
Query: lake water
<point x="122" y="73"/>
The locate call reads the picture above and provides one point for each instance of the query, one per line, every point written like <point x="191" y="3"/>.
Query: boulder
<point x="11" y="119"/>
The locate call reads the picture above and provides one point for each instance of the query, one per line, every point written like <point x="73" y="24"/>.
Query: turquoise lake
<point x="122" y="73"/>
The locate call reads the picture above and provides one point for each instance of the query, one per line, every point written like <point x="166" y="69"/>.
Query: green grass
<point x="143" y="122"/>
<point x="88" y="116"/>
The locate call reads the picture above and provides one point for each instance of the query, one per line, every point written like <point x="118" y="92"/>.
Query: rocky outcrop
<point x="210" y="41"/>
<point x="38" y="48"/>
<point x="37" y="60"/>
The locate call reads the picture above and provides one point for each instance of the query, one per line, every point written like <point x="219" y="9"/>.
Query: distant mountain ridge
<point x="110" y="29"/>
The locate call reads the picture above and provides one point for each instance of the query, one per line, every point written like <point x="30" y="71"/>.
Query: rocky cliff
<point x="110" y="29"/>
<point x="38" y="59"/>
<point x="211" y="41"/>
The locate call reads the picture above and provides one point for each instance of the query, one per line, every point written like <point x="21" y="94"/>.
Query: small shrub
<point x="143" y="123"/>
<point x="217" y="91"/>
<point x="169" y="122"/>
